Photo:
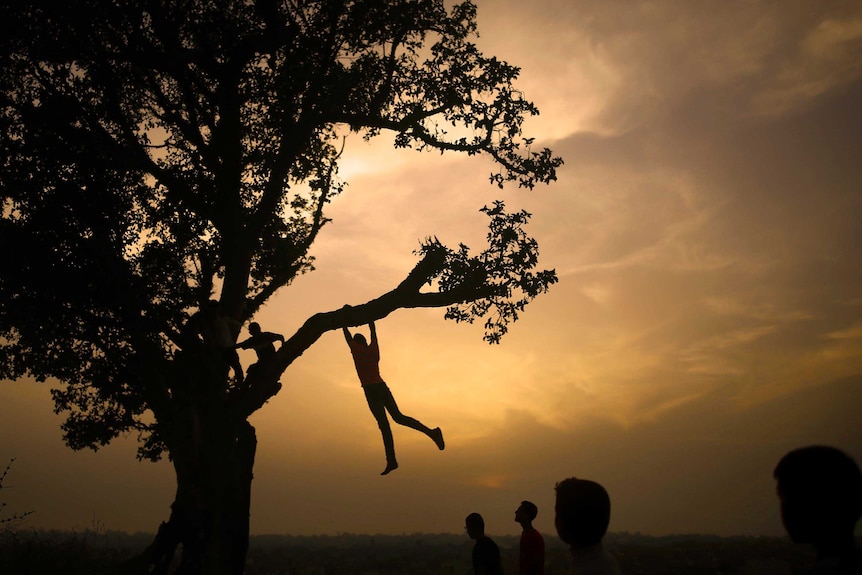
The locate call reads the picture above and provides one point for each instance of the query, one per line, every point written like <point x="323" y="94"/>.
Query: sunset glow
<point x="705" y="230"/>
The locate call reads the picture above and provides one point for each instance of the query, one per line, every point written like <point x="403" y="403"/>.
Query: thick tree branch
<point x="264" y="384"/>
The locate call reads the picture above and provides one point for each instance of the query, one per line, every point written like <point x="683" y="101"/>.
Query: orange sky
<point x="708" y="318"/>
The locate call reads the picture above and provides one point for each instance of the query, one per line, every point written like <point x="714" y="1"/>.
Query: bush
<point x="10" y="522"/>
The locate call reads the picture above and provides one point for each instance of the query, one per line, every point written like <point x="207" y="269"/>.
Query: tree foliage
<point x="156" y="155"/>
<point x="504" y="270"/>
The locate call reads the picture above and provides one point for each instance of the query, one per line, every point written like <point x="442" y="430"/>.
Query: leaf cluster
<point x="501" y="280"/>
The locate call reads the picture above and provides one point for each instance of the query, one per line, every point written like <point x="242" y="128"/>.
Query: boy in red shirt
<point x="532" y="555"/>
<point x="366" y="358"/>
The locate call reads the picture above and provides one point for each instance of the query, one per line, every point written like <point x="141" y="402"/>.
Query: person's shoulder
<point x="489" y="543"/>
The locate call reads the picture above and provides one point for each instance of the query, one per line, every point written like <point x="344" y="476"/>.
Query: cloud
<point x="611" y="67"/>
<point x="708" y="455"/>
<point x="828" y="57"/>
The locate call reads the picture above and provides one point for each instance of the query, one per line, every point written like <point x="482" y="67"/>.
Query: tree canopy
<point x="160" y="154"/>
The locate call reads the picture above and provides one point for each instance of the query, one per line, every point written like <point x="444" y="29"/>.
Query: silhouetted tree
<point x="166" y="166"/>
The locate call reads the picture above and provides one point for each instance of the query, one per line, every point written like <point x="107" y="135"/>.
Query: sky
<point x="706" y="232"/>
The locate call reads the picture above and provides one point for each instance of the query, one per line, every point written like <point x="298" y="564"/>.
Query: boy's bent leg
<point x="232" y="358"/>
<point x="389" y="402"/>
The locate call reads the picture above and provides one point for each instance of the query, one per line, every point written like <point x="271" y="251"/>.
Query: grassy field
<point x="90" y="552"/>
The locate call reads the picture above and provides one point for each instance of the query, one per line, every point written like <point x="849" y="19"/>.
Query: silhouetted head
<point x="820" y="489"/>
<point x="475" y="525"/>
<point x="526" y="512"/>
<point x="254" y="328"/>
<point x="582" y="512"/>
<point x="359" y="338"/>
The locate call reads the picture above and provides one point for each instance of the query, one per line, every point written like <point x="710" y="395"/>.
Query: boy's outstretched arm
<point x="373" y="332"/>
<point x="344" y="329"/>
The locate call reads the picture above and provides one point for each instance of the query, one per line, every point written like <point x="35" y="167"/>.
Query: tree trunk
<point x="213" y="458"/>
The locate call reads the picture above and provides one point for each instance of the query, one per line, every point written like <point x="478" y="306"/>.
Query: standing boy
<point x="532" y="546"/>
<point x="486" y="554"/>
